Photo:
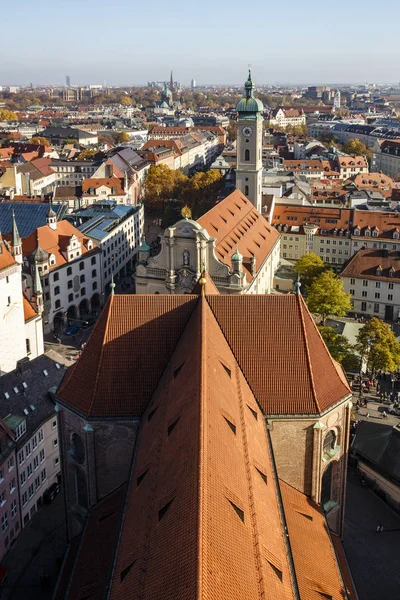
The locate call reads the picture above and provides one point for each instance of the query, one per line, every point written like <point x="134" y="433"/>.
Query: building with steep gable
<point x="232" y="241"/>
<point x="217" y="504"/>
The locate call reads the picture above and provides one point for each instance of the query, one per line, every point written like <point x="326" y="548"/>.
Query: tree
<point x="126" y="101"/>
<point x="86" y="154"/>
<point x="309" y="266"/>
<point x="356" y="147"/>
<point x="159" y="185"/>
<point x="232" y="131"/>
<point x="42" y="141"/>
<point x="122" y="137"/>
<point x="8" y="115"/>
<point x="340" y="349"/>
<point x="70" y="141"/>
<point x="377" y="343"/>
<point x="326" y="296"/>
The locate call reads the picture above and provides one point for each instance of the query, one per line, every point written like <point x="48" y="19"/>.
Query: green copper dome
<point x="237" y="256"/>
<point x="249" y="104"/>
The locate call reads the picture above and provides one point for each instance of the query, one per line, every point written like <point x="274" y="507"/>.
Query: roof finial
<point x="16" y="239"/>
<point x="297" y="285"/>
<point x="203" y="282"/>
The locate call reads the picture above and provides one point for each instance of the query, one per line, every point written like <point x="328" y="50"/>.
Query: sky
<point x="126" y="42"/>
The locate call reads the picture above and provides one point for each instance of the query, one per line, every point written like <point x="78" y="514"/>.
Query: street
<point x="373" y="557"/>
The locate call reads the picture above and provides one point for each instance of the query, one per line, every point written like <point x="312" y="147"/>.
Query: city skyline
<point x="319" y="46"/>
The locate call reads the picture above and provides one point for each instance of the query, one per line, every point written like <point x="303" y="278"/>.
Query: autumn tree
<point x="377" y="344"/>
<point x="42" y="141"/>
<point x="309" y="266"/>
<point x="7" y="115"/>
<point x="326" y="296"/>
<point x="355" y="146"/>
<point x="159" y="184"/>
<point x="340" y="349"/>
<point x="126" y="101"/>
<point x="86" y="154"/>
<point x="122" y="137"/>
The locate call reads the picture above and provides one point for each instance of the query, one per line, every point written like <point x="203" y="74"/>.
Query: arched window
<point x="247" y="155"/>
<point x="329" y="442"/>
<point x="246" y="190"/>
<point x="78" y="449"/>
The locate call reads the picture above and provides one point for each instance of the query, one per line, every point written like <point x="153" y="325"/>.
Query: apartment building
<point x="284" y="117"/>
<point x="68" y="267"/>
<point x="70" y="172"/>
<point x="10" y="517"/>
<point x="386" y="157"/>
<point x="29" y="415"/>
<point x="117" y="231"/>
<point x="372" y="278"/>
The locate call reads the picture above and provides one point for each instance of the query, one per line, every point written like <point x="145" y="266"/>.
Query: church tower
<point x="249" y="145"/>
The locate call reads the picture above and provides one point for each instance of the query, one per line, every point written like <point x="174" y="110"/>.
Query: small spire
<point x="297" y="285"/>
<point x="203" y="282"/>
<point x="112" y="284"/>
<point x="16" y="239"/>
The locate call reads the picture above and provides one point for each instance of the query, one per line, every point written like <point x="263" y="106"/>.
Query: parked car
<point x="51" y="493"/>
<point x="72" y="329"/>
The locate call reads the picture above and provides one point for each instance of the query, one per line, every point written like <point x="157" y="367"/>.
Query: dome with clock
<point x="249" y="104"/>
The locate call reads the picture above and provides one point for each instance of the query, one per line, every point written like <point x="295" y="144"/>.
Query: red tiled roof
<point x="317" y="570"/>
<point x="54" y="241"/>
<point x="109" y="182"/>
<point x="210" y="289"/>
<point x="235" y="222"/>
<point x="324" y="218"/>
<point x="90" y="574"/>
<point x="6" y="258"/>
<point x="115" y="377"/>
<point x="29" y="311"/>
<point x="280" y="351"/>
<point x="202" y="518"/>
<point x="365" y="263"/>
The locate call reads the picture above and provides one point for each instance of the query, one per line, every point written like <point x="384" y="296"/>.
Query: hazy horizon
<point x="123" y="44"/>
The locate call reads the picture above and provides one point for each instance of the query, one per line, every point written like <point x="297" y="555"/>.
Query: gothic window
<point x="247" y="155"/>
<point x="326" y="488"/>
<point x="329" y="442"/>
<point x="78" y="449"/>
<point x="246" y="190"/>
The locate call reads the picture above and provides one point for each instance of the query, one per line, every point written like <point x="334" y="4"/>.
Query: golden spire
<point x="186" y="212"/>
<point x="203" y="282"/>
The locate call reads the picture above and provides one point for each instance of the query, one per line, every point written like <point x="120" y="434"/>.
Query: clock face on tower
<point x="247" y="131"/>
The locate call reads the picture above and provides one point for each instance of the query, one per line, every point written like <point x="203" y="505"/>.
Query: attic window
<point x="253" y="412"/>
<point x="26" y="412"/>
<point x="141" y="477"/>
<point x="176" y="372"/>
<point x="238" y="511"/>
<point x="6" y="395"/>
<point x="231" y="425"/>
<point x="24" y="385"/>
<point x="164" y="509"/>
<point x="262" y="475"/>
<point x="227" y="370"/>
<point x="45" y="373"/>
<point x="151" y="414"/>
<point x="309" y="517"/>
<point x="125" y="572"/>
<point x="277" y="571"/>
<point x="172" y="426"/>
<point x="16" y="390"/>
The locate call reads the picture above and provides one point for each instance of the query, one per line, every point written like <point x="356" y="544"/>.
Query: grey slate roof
<point x="28" y="216"/>
<point x="36" y="393"/>
<point x="379" y="446"/>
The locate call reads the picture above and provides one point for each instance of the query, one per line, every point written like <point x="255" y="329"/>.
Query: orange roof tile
<point x="202" y="518"/>
<point x="54" y="241"/>
<point x="29" y="311"/>
<point x="309" y="538"/>
<point x="6" y="258"/>
<point x="115" y="377"/>
<point x="210" y="289"/>
<point x="281" y="353"/>
<point x="110" y="182"/>
<point x="366" y="262"/>
<point x="236" y="223"/>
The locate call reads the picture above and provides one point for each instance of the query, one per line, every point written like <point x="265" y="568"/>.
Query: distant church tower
<point x="249" y="145"/>
<point x="171" y="83"/>
<point x="336" y="101"/>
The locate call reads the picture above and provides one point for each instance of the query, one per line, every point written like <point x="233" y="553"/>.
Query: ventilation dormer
<point x="379" y="271"/>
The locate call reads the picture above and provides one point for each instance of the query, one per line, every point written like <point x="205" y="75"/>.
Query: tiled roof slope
<point x="210" y="289"/>
<point x="273" y="338"/>
<point x="281" y="353"/>
<point x="365" y="264"/>
<point x="236" y="223"/>
<point x="317" y="569"/>
<point x="126" y="354"/>
<point x="202" y="517"/>
<point x="91" y="571"/>
<point x="6" y="258"/>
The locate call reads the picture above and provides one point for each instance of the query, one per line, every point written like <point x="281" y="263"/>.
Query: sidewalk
<point x="34" y="553"/>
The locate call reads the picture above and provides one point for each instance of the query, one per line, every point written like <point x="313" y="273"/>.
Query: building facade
<point x="386" y="157"/>
<point x="234" y="242"/>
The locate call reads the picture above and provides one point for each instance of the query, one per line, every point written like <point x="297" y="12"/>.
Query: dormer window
<point x="356" y="231"/>
<point x="379" y="271"/>
<point x="52" y="259"/>
<point x="375" y="232"/>
<point x="89" y="245"/>
<point x="395" y="235"/>
<point x="391" y="272"/>
<point x="367" y="233"/>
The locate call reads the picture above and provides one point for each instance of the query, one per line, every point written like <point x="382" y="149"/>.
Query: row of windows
<point x="57" y="303"/>
<point x="11" y="490"/>
<point x="31" y="445"/>
<point x="4" y="518"/>
<point x="70" y="282"/>
<point x="34" y="465"/>
<point x="10" y="466"/>
<point x="27" y="495"/>
<point x="377" y="283"/>
<point x="377" y="295"/>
